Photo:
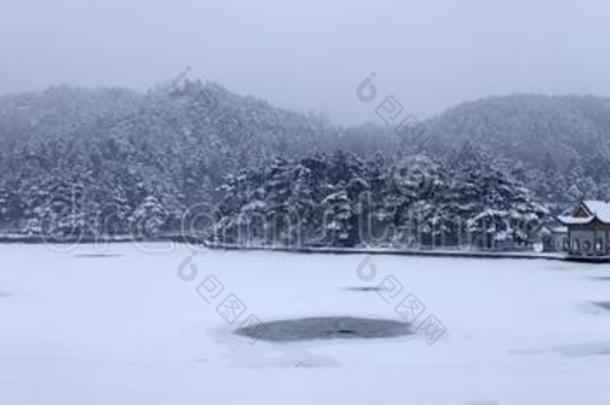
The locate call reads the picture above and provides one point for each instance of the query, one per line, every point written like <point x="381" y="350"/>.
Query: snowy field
<point x="117" y="325"/>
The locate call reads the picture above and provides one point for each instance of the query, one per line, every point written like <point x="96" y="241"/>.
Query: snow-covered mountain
<point x="115" y="153"/>
<point x="341" y="200"/>
<point x="561" y="143"/>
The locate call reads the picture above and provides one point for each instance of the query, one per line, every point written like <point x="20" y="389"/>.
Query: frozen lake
<point x="133" y="324"/>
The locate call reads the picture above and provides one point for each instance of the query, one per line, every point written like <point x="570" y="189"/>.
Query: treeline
<point x="341" y="200"/>
<point x="71" y="158"/>
<point x="117" y="162"/>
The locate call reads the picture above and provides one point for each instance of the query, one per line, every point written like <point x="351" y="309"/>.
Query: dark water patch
<point x="371" y="288"/>
<point x="585" y="350"/>
<point x="96" y="255"/>
<point x="602" y="278"/>
<point x="5" y="294"/>
<point x="603" y="305"/>
<point x="325" y="328"/>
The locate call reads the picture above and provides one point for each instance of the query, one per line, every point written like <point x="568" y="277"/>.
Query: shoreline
<point x="455" y="253"/>
<point x="398" y="252"/>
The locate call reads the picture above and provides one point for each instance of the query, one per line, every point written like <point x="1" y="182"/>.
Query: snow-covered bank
<point x="450" y="253"/>
<point x="118" y="325"/>
<point x="201" y="241"/>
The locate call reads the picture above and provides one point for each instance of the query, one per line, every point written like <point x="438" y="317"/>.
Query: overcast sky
<point x="312" y="54"/>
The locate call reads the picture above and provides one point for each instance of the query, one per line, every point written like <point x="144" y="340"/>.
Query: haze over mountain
<point x="530" y="127"/>
<point x="305" y="54"/>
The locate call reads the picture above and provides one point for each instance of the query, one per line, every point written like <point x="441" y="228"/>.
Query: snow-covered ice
<point x="119" y="326"/>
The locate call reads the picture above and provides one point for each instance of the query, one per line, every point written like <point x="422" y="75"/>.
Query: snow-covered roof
<point x="600" y="209"/>
<point x="570" y="220"/>
<point x="593" y="208"/>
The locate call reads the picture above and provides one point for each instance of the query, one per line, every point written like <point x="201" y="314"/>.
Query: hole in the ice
<point x="584" y="350"/>
<point x="96" y="255"/>
<point x="366" y="288"/>
<point x="603" y="304"/>
<point x="301" y="329"/>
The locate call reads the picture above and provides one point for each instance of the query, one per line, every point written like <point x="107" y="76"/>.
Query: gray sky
<point x="312" y="54"/>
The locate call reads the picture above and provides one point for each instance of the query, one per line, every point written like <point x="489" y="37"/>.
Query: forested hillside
<point x="68" y="154"/>
<point x="561" y="144"/>
<point x="341" y="200"/>
<point x="114" y="161"/>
